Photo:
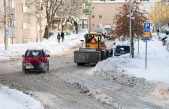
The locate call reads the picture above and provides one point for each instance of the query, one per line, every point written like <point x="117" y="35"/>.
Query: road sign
<point x="147" y="34"/>
<point x="146" y="27"/>
<point x="146" y="38"/>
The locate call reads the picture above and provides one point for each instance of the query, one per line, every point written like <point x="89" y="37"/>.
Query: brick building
<point x="103" y="11"/>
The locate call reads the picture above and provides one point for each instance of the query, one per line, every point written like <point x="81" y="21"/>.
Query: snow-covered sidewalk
<point x="157" y="67"/>
<point x="158" y="62"/>
<point x="13" y="99"/>
<point x="51" y="46"/>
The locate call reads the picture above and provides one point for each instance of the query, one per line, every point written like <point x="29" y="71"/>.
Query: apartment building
<point x="20" y="22"/>
<point x="103" y="11"/>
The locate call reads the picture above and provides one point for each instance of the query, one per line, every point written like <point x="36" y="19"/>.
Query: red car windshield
<point x="34" y="53"/>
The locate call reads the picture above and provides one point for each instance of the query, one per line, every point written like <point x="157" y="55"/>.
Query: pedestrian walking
<point x="58" y="37"/>
<point x="158" y="31"/>
<point x="62" y="36"/>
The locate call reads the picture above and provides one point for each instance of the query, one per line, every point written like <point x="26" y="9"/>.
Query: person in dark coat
<point x="58" y="37"/>
<point x="158" y="31"/>
<point x="62" y="36"/>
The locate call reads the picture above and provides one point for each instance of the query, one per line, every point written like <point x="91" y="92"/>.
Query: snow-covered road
<point x="52" y="90"/>
<point x="69" y="86"/>
<point x="108" y="85"/>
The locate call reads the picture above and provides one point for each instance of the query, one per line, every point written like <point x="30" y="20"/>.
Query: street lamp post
<point x="5" y="15"/>
<point x="130" y="28"/>
<point x="155" y="15"/>
<point x="87" y="11"/>
<point x="161" y="11"/>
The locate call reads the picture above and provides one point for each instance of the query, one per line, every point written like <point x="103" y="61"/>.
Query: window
<point x="92" y="16"/>
<point x="25" y="25"/>
<point x="100" y="16"/>
<point x="34" y="53"/>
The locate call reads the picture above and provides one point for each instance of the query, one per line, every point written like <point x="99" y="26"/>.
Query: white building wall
<point x="1" y="24"/>
<point x="19" y="21"/>
<point x="23" y="31"/>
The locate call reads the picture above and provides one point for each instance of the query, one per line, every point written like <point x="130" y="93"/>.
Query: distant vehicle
<point x="164" y="40"/>
<point x="35" y="60"/>
<point x="67" y="33"/>
<point x="121" y="49"/>
<point x="165" y="29"/>
<point x="100" y="30"/>
<point x="83" y="31"/>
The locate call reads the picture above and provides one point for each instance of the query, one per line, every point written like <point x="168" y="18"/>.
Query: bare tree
<point x="51" y="7"/>
<point x="1" y="14"/>
<point x="70" y="9"/>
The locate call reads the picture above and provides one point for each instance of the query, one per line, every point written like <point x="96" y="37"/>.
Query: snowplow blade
<point x="87" y="56"/>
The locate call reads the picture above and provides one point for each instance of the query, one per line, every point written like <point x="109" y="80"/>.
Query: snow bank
<point x="3" y="56"/>
<point x="13" y="99"/>
<point x="157" y="66"/>
<point x="111" y="70"/>
<point x="51" y="46"/>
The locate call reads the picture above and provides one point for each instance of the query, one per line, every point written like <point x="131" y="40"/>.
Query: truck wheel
<point x="80" y="64"/>
<point x="25" y="71"/>
<point x="103" y="55"/>
<point x="107" y="54"/>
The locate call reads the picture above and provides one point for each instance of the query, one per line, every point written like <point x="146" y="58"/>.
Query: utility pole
<point x="155" y="17"/>
<point x="130" y="29"/>
<point x="10" y="20"/>
<point x="5" y="39"/>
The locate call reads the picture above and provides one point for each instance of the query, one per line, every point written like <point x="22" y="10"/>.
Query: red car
<point x="35" y="60"/>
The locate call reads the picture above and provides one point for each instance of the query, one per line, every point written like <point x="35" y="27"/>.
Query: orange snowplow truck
<point x="93" y="40"/>
<point x="95" y="50"/>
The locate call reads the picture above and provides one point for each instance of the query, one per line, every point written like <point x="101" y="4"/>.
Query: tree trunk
<point x="46" y="32"/>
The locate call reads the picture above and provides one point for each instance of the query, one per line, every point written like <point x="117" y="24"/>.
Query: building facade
<point x="103" y="12"/>
<point x="20" y="22"/>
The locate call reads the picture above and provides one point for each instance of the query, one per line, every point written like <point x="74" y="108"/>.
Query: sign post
<point x="147" y="36"/>
<point x="146" y="56"/>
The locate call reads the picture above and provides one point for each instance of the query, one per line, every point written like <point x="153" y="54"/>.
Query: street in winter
<point x="84" y="54"/>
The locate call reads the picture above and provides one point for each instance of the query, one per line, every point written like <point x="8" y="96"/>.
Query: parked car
<point x="165" y="29"/>
<point x="67" y="33"/>
<point x="35" y="60"/>
<point x="121" y="49"/>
